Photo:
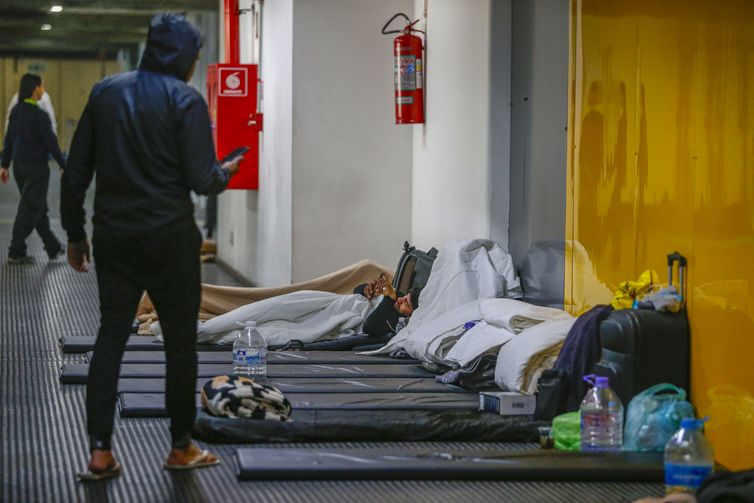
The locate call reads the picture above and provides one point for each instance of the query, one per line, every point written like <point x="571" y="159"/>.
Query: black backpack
<point x="413" y="268"/>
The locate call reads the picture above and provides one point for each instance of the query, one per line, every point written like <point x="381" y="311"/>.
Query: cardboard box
<point x="507" y="403"/>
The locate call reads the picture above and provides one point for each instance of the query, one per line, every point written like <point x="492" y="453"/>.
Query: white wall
<point x="454" y="151"/>
<point x="539" y="145"/>
<point x="351" y="163"/>
<point x="274" y="238"/>
<point x="254" y="228"/>
<point x="335" y="173"/>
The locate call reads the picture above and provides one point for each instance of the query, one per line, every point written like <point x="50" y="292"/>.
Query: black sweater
<point x="30" y="137"/>
<point x="146" y="134"/>
<point x="383" y="319"/>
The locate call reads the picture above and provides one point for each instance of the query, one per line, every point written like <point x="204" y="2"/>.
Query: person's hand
<point x="369" y="290"/>
<point x="4" y="175"/>
<point x="78" y="255"/>
<point x="384" y="287"/>
<point x="233" y="165"/>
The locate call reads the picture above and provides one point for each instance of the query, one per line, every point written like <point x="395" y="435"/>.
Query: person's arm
<point x="74" y="184"/>
<point x="10" y="139"/>
<point x="382" y="320"/>
<point x="203" y="172"/>
<point x="49" y="138"/>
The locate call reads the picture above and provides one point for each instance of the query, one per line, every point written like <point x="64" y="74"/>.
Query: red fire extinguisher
<point x="408" y="51"/>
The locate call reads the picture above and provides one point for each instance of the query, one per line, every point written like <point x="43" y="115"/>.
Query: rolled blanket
<point x="236" y="396"/>
<point x="516" y="316"/>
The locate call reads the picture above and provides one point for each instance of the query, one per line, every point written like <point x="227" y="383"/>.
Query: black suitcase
<point x="643" y="347"/>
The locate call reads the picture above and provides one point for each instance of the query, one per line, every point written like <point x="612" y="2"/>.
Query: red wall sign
<point x="234" y="81"/>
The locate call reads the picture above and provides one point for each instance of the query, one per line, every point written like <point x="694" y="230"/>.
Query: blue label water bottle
<point x="689" y="458"/>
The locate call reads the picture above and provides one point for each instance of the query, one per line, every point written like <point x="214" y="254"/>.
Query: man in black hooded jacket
<point x="146" y="134"/>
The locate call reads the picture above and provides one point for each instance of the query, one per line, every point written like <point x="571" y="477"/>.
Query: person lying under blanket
<point x="393" y="306"/>
<point x="307" y="316"/>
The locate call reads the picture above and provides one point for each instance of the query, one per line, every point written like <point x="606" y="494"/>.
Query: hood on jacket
<point x="173" y="44"/>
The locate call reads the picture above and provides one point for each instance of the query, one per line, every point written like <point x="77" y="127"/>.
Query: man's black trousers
<point x="167" y="267"/>
<point x="33" y="179"/>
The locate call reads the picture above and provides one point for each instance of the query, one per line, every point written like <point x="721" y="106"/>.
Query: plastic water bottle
<point x="601" y="417"/>
<point x="250" y="352"/>
<point x="400" y="325"/>
<point x="689" y="458"/>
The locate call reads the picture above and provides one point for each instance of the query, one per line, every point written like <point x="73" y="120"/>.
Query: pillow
<point x="522" y="360"/>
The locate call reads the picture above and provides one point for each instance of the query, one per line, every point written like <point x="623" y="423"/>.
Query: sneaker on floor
<point x="25" y="259"/>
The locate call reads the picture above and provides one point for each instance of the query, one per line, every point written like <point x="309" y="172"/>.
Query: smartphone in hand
<point x="235" y="153"/>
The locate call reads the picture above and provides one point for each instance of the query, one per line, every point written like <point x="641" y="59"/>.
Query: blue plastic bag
<point x="653" y="416"/>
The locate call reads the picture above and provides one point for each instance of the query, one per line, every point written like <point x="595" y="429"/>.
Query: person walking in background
<point x="45" y="103"/>
<point x="29" y="141"/>
<point x="146" y="134"/>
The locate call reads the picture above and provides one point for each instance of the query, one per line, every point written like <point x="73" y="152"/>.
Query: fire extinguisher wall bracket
<point x="408" y="54"/>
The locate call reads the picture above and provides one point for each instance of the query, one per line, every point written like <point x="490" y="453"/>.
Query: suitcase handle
<point x="682" y="262"/>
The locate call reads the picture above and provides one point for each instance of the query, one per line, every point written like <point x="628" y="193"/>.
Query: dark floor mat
<point x="290" y="357"/>
<point x="317" y="385"/>
<point x="76" y="373"/>
<point x="360" y="342"/>
<point x="85" y="343"/>
<point x="258" y="463"/>
<point x="369" y="426"/>
<point x="153" y="404"/>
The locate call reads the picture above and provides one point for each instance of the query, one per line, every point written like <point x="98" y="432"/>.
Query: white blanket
<point x="305" y="315"/>
<point x="523" y="359"/>
<point x="448" y="340"/>
<point x="464" y="272"/>
<point x="515" y="316"/>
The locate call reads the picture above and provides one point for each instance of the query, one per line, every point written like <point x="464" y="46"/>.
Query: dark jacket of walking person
<point x="146" y="134"/>
<point x="29" y="142"/>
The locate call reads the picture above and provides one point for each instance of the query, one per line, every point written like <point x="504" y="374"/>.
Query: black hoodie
<point x="146" y="134"/>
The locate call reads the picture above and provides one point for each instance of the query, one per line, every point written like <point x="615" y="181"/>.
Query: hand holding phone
<point x="240" y="151"/>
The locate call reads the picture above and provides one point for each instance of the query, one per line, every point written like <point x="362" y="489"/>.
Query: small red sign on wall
<point x="234" y="82"/>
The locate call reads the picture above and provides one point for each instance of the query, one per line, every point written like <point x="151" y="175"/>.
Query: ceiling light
<point x="56" y="8"/>
<point x="46" y="27"/>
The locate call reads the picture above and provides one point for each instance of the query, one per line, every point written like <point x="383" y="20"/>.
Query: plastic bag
<point x="653" y="416"/>
<point x="566" y="430"/>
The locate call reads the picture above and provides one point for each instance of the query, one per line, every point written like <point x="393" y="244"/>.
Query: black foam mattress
<point x="77" y="373"/>
<point x="370" y="426"/>
<point x="153" y="404"/>
<point x="315" y="385"/>
<point x="85" y="343"/>
<point x="290" y="357"/>
<point x="292" y="463"/>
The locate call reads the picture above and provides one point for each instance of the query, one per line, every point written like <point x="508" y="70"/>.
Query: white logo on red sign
<point x="233" y="82"/>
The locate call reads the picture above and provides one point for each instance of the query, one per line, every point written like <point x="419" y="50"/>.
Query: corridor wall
<point x="461" y="154"/>
<point x="68" y="82"/>
<point x="335" y="171"/>
<point x="661" y="158"/>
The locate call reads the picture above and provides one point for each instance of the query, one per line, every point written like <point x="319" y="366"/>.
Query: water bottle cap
<point x="602" y="382"/>
<point x="693" y="423"/>
<point x="597" y="381"/>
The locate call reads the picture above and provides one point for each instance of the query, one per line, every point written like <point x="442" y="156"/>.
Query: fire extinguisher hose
<point x="408" y="28"/>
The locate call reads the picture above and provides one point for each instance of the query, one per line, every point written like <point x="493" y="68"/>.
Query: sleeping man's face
<point x="403" y="305"/>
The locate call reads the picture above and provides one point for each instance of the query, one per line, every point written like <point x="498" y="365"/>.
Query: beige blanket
<point x="217" y="300"/>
